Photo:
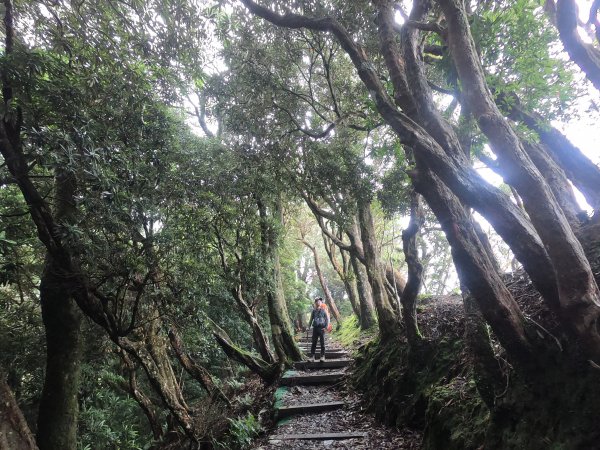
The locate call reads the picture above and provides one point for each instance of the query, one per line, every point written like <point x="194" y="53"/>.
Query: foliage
<point x="108" y="419"/>
<point x="242" y="431"/>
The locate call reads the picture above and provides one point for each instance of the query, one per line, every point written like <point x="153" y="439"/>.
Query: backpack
<point x="320" y="318"/>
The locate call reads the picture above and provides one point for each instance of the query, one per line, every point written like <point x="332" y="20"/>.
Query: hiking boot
<point x="322" y="358"/>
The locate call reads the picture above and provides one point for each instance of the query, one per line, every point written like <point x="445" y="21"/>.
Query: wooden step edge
<point x="319" y="436"/>
<point x="318" y="349"/>
<point x="286" y="411"/>
<point x="292" y="380"/>
<point x="327" y="364"/>
<point x="332" y="356"/>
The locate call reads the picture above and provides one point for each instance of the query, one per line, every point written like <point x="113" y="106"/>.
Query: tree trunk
<point x="415" y="270"/>
<point x="14" y="431"/>
<point x="388" y="321"/>
<point x="578" y="294"/>
<point x="281" y="328"/>
<point x="343" y="272"/>
<point x="486" y="367"/>
<point x="268" y="372"/>
<point x="357" y="258"/>
<point x="329" y="301"/>
<point x="260" y="338"/>
<point x="395" y="284"/>
<point x="300" y="319"/>
<point x="350" y="284"/>
<point x="440" y="151"/>
<point x="582" y="172"/>
<point x="150" y="351"/>
<point x="557" y="181"/>
<point x="585" y="55"/>
<point x="196" y="371"/>
<point x="367" y="310"/>
<point x="59" y="406"/>
<point x="142" y="399"/>
<point x="474" y="267"/>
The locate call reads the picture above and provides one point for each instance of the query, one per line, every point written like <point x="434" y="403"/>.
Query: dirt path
<point x="316" y="410"/>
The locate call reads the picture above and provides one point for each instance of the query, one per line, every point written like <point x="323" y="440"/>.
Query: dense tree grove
<point x="180" y="178"/>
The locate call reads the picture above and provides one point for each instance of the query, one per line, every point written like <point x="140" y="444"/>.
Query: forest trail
<point x="314" y="409"/>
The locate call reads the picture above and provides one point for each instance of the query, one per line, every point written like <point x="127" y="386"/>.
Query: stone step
<point x="286" y="411"/>
<point x="319" y="436"/>
<point x="291" y="378"/>
<point x="327" y="364"/>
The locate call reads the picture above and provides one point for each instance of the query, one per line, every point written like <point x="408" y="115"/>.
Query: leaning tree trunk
<point x="578" y="294"/>
<point x="195" y="370"/>
<point x="59" y="405"/>
<point x="585" y="55"/>
<point x="268" y="372"/>
<point x="441" y="153"/>
<point x="475" y="270"/>
<point x="149" y="350"/>
<point x="582" y="172"/>
<point x="14" y="431"/>
<point x="260" y="338"/>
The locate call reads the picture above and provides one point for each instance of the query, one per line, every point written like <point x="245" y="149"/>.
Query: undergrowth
<point x="349" y="333"/>
<point x="242" y="431"/>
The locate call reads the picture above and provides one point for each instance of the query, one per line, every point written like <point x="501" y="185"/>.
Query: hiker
<point x="319" y="319"/>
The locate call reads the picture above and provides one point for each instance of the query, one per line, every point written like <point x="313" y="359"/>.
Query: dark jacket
<point x="313" y="316"/>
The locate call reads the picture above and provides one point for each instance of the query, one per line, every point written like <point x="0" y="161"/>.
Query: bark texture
<point x="268" y="372"/>
<point x="582" y="172"/>
<point x="59" y="406"/>
<point x="475" y="270"/>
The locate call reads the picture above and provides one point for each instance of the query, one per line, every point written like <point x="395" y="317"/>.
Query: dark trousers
<point x="318" y="333"/>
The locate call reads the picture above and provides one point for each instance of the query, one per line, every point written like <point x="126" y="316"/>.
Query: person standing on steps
<point x="319" y="319"/>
